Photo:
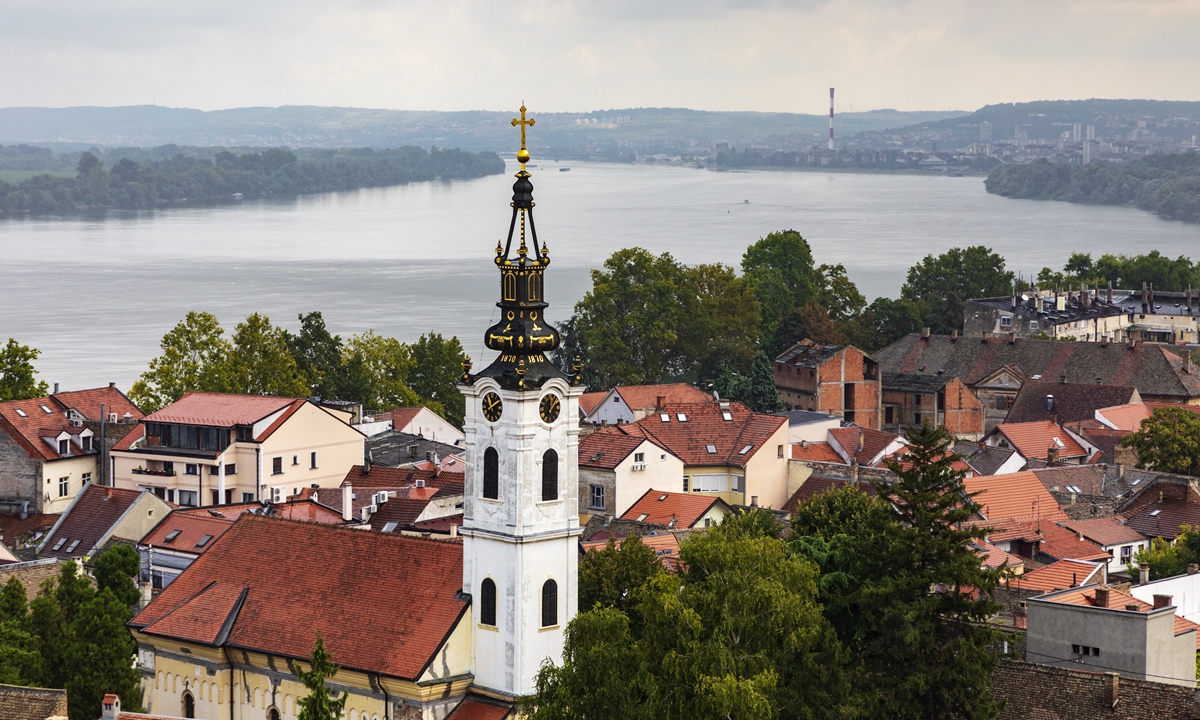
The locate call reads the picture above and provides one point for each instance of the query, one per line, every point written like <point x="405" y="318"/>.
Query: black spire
<point x="522" y="337"/>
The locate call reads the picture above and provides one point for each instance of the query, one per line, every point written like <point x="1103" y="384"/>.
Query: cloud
<point x="574" y="55"/>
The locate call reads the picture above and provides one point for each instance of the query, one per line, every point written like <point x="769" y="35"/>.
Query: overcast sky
<point x="568" y="55"/>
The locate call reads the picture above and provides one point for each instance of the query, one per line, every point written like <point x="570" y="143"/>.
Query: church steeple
<point x="523" y="336"/>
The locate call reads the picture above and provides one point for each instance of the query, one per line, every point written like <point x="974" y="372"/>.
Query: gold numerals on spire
<point x="523" y="154"/>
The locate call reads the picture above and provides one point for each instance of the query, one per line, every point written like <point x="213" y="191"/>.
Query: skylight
<point x="1074" y="488"/>
<point x="665" y="417"/>
<point x="642" y="517"/>
<point x="745" y="450"/>
<point x="171" y="536"/>
<point x="204" y="541"/>
<point x="1154" y="513"/>
<point x="682" y="417"/>
<point x="662" y="497"/>
<point x="59" y="544"/>
<point x="712" y="449"/>
<point x="727" y="415"/>
<point x="71" y="548"/>
<point x="1135" y="482"/>
<point x="391" y="526"/>
<point x="47" y="410"/>
<point x="1059" y="443"/>
<point x="21" y="412"/>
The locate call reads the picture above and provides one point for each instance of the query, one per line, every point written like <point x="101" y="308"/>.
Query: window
<point x="710" y="483"/>
<point x="203" y="541"/>
<point x="664" y="417"/>
<point x="1006" y="321"/>
<point x="46" y="410"/>
<point x="189" y="497"/>
<point x="86" y="441"/>
<point x="170" y="538"/>
<point x="64" y="486"/>
<point x="247" y="497"/>
<point x="277" y="466"/>
<point x="739" y="483"/>
<point x="712" y="449"/>
<point x="189" y="706"/>
<point x="59" y="544"/>
<point x="87" y="478"/>
<point x="243" y="434"/>
<point x="390" y="526"/>
<point x="747" y="449"/>
<point x="682" y="417"/>
<point x="779" y="451"/>
<point x="312" y="460"/>
<point x="21" y="412"/>
<point x="685" y="483"/>
<point x="487" y="603"/>
<point x="64" y="447"/>
<point x="597" y="497"/>
<point x="550" y="476"/>
<point x="191" y="469"/>
<point x="491" y="474"/>
<point x="726" y="416"/>
<point x="639" y="457"/>
<point x="71" y="548"/>
<point x="1033" y="324"/>
<point x="549" y="604"/>
<point x="889" y="415"/>
<point x="231" y="468"/>
<point x="295" y="459"/>
<point x="273" y="714"/>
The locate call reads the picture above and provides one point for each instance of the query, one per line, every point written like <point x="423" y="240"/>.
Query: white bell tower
<point x="521" y="506"/>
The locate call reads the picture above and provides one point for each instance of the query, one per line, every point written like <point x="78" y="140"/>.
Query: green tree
<point x="838" y="293"/>
<point x="942" y="284"/>
<point x="13" y="604"/>
<point x="87" y="163"/>
<point x="17" y="376"/>
<point x="101" y="657"/>
<point x="319" y="704"/>
<point x="610" y="577"/>
<point x="807" y="322"/>
<point x="780" y="269"/>
<point x="260" y="362"/>
<point x="195" y="357"/>
<point x="117" y="570"/>
<point x="381" y="366"/>
<point x="318" y="355"/>
<point x="1168" y="441"/>
<point x="883" y="322"/>
<point x="20" y="659"/>
<point x="437" y="365"/>
<point x="756" y="390"/>
<point x="726" y="328"/>
<point x="47" y="623"/>
<point x="1079" y="266"/>
<point x="1165" y="559"/>
<point x="633" y="326"/>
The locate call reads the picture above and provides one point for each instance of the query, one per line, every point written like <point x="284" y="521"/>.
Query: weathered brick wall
<point x="604" y="478"/>
<point x="20" y="475"/>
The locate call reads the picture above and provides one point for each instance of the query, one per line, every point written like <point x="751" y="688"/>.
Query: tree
<point x="942" y="284"/>
<point x="726" y="328"/>
<point x="780" y="269"/>
<point x="807" y="322"/>
<point x="101" y="657"/>
<point x="20" y="660"/>
<point x="633" y="326"/>
<point x="117" y="570"/>
<point x="437" y="365"/>
<point x="610" y="576"/>
<point x="319" y="704"/>
<point x="318" y="355"/>
<point x="884" y="322"/>
<point x="13" y="604"/>
<point x="17" y="376"/>
<point x="838" y="293"/>
<point x="194" y="358"/>
<point x="1168" y="441"/>
<point x="757" y="390"/>
<point x="87" y="163"/>
<point x="1079" y="266"/>
<point x="260" y="362"/>
<point x="383" y="364"/>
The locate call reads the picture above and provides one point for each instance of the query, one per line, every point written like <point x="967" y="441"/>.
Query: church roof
<point x="392" y="624"/>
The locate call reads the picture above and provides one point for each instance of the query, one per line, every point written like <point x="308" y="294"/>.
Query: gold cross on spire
<point x="523" y="154"/>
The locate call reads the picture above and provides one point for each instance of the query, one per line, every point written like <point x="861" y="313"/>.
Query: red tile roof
<point x="1034" y="439"/>
<point x="665" y="546"/>
<point x="874" y="443"/>
<point x="480" y="709"/>
<point x="450" y="483"/>
<point x="661" y="508"/>
<point x="645" y="397"/>
<point x="13" y="528"/>
<point x="220" y="409"/>
<point x="392" y="623"/>
<point x="589" y="401"/>
<point x="191" y="528"/>
<point x="818" y="485"/>
<point x="308" y="511"/>
<point x="1117" y="600"/>
<point x="816" y="452"/>
<point x="1164" y="518"/>
<point x="91" y="515"/>
<point x="131" y="437"/>
<point x="1125" y="417"/>
<point x="993" y="557"/>
<point x="1105" y="531"/>
<point x="29" y="430"/>
<point x="1016" y="495"/>
<point x="400" y="416"/>
<point x="1059" y="575"/>
<point x="88" y="402"/>
<point x="1072" y="401"/>
<point x="403" y="511"/>
<point x="735" y="441"/>
<point x="1063" y="544"/>
<point x="607" y="448"/>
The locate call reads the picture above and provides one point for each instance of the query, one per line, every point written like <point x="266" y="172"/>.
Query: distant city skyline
<point x="573" y="56"/>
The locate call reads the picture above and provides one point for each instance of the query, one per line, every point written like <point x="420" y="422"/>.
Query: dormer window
<point x="64" y="447"/>
<point x="86" y="441"/>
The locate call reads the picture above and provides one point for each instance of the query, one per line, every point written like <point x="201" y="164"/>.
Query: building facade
<point x="833" y="379"/>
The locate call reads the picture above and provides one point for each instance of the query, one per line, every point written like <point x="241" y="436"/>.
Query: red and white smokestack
<point x="830" y="118"/>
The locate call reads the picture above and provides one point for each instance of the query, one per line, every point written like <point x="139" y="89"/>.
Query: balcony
<point x="158" y="473"/>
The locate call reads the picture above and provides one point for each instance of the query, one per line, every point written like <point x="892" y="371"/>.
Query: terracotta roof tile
<point x="480" y="709"/>
<point x="874" y="442"/>
<point x="13" y="529"/>
<point x="1088" y="478"/>
<point x="1118" y="600"/>
<point x="26" y="421"/>
<point x="1058" y="575"/>
<point x="734" y="441"/>
<point x="92" y="514"/>
<point x="1124" y="417"/>
<point x="131" y="437"/>
<point x="88" y="402"/>
<point x="1016" y="495"/>
<point x="191" y="528"/>
<point x="201" y="617"/>
<point x="645" y="397"/>
<point x="661" y="508"/>
<point x="589" y="401"/>
<point x="410" y="609"/>
<point x="308" y="511"/>
<point x="1063" y="544"/>
<point x="816" y="452"/>
<point x="1164" y="518"/>
<point x="1034" y="439"/>
<point x="390" y="477"/>
<point x="1044" y="692"/>
<point x="403" y="511"/>
<point x="1105" y="531"/>
<point x="816" y="485"/>
<point x="665" y="546"/>
<point x="27" y="703"/>
<point x="220" y="409"/>
<point x="993" y="557"/>
<point x="609" y="447"/>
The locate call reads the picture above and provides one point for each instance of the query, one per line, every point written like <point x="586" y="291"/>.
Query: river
<point x="96" y="295"/>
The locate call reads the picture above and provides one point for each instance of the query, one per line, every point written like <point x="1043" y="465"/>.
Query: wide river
<point x="96" y="295"/>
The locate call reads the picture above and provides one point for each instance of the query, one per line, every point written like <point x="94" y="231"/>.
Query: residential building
<point x="866" y="447"/>
<point x="99" y="516"/>
<point x="812" y="427"/>
<point x="1064" y="402"/>
<point x="726" y="449"/>
<point x="216" y="449"/>
<point x="995" y="368"/>
<point x="985" y="460"/>
<point x="51" y="446"/>
<point x="1041" y="441"/>
<point x="1058" y="575"/>
<point x="910" y="399"/>
<point x="1184" y="591"/>
<point x="1164" y="518"/>
<point x="589" y="401"/>
<point x="677" y="510"/>
<point x="618" y="465"/>
<point x="392" y="448"/>
<point x="630" y="403"/>
<point x="833" y="379"/>
<point x="1120" y="541"/>
<point x="1028" y="690"/>
<point x="31" y="574"/>
<point x="422" y="422"/>
<point x="1102" y="627"/>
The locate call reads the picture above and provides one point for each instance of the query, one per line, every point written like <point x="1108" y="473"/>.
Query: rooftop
<point x="983" y="460"/>
<point x="29" y="421"/>
<point x="874" y="442"/>
<point x="188" y="532"/>
<point x="606" y="449"/>
<point x="645" y="397"/>
<point x="710" y="433"/>
<point x="1105" y="531"/>
<point x="224" y="597"/>
<point x="797" y="418"/>
<point x="220" y="409"/>
<point x="1035" y="439"/>
<point x="818" y="485"/>
<point x="1058" y="575"/>
<point x="1017" y="495"/>
<point x="28" y="703"/>
<point x="665" y="546"/>
<point x="1164" y="518"/>
<point x="1126" y="417"/>
<point x="92" y="514"/>
<point x="816" y="452"/>
<point x="671" y="509"/>
<point x="1069" y="402"/>
<point x="915" y="383"/>
<point x="1045" y="692"/>
<point x="397" y="448"/>
<point x="808" y="353"/>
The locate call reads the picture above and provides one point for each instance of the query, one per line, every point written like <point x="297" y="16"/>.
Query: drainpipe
<point x="258" y="474"/>
<point x="221" y="478"/>
<point x="103" y="449"/>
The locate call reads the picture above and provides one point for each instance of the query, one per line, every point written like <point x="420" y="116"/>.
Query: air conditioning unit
<point x="380" y="498"/>
<point x="112" y="417"/>
<point x="367" y="512"/>
<point x="278" y="494"/>
<point x="639" y="466"/>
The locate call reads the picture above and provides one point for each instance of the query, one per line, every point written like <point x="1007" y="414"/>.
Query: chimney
<point x="860" y="442"/>
<point x="1112" y="688"/>
<point x="1020" y="616"/>
<point x="453" y="531"/>
<point x="1102" y="597"/>
<point x="924" y="333"/>
<point x="1110" y="292"/>
<point x="55" y="388"/>
<point x="1132" y="607"/>
<point x="1152" y="296"/>
<point x="953" y="338"/>
<point x="984" y="337"/>
<point x="753" y="501"/>
<point x="146" y="590"/>
<point x="108" y="492"/>
<point x="1189" y="299"/>
<point x="347" y="502"/>
<point x="1012" y="338"/>
<point x="660" y="402"/>
<point x="1187" y="361"/>
<point x="111" y="707"/>
<point x="1143" y="574"/>
<point x="1192" y="568"/>
<point x="1145" y="298"/>
<point x="673" y="521"/>
<point x="1103" y="341"/>
<point x="1049" y="403"/>
<point x="112" y="384"/>
<point x="854" y="469"/>
<point x="1161" y="601"/>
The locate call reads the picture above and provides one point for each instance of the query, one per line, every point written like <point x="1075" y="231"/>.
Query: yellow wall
<point x="74" y="468"/>
<point x="767" y="473"/>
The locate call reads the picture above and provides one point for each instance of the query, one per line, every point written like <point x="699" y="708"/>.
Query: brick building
<point x="837" y="379"/>
<point x="938" y="400"/>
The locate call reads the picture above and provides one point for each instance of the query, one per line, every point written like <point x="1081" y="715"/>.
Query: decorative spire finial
<point x="523" y="154"/>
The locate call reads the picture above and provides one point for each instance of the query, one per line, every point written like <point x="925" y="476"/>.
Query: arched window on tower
<point x="491" y="474"/>
<point x="549" y="604"/>
<point x="510" y="286"/>
<point x="550" y="475"/>
<point x="189" y="705"/>
<point x="535" y="286"/>
<point x="487" y="602"/>
<point x="274" y="714"/>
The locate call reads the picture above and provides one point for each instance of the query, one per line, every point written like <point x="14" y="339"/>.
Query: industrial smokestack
<point x="831" y="119"/>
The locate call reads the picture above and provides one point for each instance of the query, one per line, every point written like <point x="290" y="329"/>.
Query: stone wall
<point x="20" y="475"/>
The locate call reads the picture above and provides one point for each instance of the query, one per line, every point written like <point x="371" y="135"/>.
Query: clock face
<point x="492" y="407"/>
<point x="549" y="408"/>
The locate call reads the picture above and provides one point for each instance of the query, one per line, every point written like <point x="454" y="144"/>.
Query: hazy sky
<point x="569" y="55"/>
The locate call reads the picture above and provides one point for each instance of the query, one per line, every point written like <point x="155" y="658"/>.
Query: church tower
<point x="520" y="511"/>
